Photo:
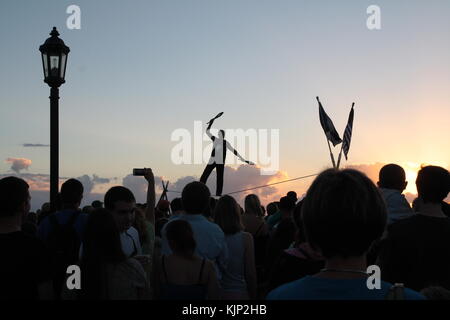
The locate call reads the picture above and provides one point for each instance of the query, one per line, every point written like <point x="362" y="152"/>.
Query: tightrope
<point x="263" y="186"/>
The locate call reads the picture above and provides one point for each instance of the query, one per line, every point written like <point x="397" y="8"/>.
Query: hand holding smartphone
<point x="138" y="172"/>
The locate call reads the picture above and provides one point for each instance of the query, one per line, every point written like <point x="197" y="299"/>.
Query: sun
<point x="411" y="170"/>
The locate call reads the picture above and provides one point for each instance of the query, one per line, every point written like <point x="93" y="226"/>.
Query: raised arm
<point x="208" y="133"/>
<point x="150" y="210"/>
<point x="229" y="147"/>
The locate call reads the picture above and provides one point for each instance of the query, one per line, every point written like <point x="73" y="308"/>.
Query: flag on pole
<point x="348" y="133"/>
<point x="328" y="127"/>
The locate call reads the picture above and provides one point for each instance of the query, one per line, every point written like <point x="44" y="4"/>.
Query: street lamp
<point x="54" y="60"/>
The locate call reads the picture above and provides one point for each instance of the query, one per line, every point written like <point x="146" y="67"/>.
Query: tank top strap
<point x="201" y="272"/>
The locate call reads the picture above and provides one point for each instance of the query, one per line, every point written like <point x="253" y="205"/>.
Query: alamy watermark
<point x="74" y="20"/>
<point x="374" y="279"/>
<point x="374" y="20"/>
<point x="259" y="146"/>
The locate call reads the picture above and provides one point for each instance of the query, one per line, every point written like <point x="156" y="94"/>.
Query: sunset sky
<point x="138" y="70"/>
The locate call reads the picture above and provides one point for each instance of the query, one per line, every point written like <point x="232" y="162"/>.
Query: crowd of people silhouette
<point x="314" y="248"/>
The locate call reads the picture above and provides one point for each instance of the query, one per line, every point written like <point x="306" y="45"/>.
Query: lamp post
<point x="54" y="60"/>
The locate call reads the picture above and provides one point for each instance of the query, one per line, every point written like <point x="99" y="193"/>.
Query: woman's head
<point x="181" y="237"/>
<point x="253" y="205"/>
<point x="227" y="215"/>
<point x="272" y="208"/>
<point x="343" y="213"/>
<point x="101" y="238"/>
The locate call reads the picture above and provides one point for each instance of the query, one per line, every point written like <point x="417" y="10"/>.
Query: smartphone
<point x="138" y="172"/>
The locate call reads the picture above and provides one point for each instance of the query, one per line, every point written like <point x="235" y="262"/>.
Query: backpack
<point x="64" y="244"/>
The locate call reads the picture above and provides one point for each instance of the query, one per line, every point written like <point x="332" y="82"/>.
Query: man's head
<point x="71" y="194"/>
<point x="292" y="195"/>
<point x="176" y="205"/>
<point x="272" y="208"/>
<point x="222" y="134"/>
<point x="392" y="176"/>
<point x="195" y="197"/>
<point x="14" y="197"/>
<point x="343" y="213"/>
<point x="287" y="204"/>
<point x="121" y="203"/>
<point x="433" y="184"/>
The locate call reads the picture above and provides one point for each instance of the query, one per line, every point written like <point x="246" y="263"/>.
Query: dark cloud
<point x="18" y="164"/>
<point x="32" y="145"/>
<point x="87" y="183"/>
<point x="97" y="179"/>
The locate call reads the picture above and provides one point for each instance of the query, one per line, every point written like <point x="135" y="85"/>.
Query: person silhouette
<point x="218" y="156"/>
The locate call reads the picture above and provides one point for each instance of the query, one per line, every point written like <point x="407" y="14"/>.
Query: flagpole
<point x="331" y="154"/>
<point x="339" y="158"/>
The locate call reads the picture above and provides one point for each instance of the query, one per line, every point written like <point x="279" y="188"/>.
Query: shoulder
<point x="287" y="291"/>
<point x="413" y="295"/>
<point x="134" y="266"/>
<point x="133" y="232"/>
<point x="403" y="224"/>
<point x="133" y="271"/>
<point x="214" y="227"/>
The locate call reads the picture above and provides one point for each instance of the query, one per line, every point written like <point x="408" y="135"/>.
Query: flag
<point x="328" y="127"/>
<point x="348" y="133"/>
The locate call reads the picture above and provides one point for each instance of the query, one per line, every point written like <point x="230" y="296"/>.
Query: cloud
<point x="138" y="185"/>
<point x="87" y="183"/>
<point x="371" y="170"/>
<point x="32" y="145"/>
<point x="40" y="186"/>
<point x="237" y="179"/>
<point x="97" y="179"/>
<point x="18" y="164"/>
<point x="179" y="185"/>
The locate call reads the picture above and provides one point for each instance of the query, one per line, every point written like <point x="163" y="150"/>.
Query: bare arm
<point x="250" y="267"/>
<point x="208" y="133"/>
<point x="229" y="147"/>
<point x="150" y="210"/>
